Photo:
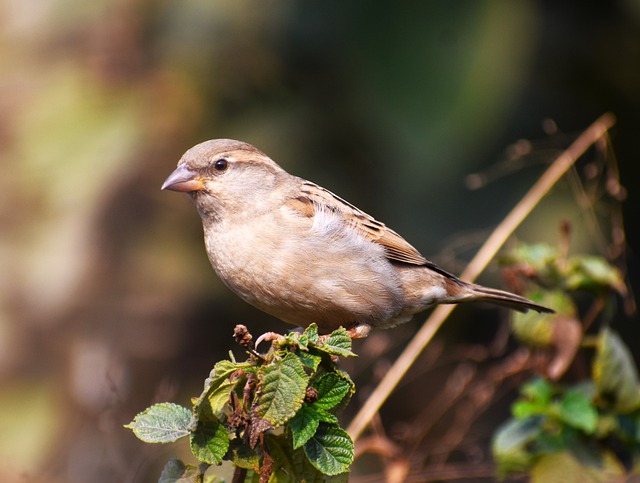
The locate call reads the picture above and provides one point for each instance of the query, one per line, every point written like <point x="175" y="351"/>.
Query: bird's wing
<point x="397" y="248"/>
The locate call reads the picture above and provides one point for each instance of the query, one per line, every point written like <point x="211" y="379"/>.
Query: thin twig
<point x="486" y="253"/>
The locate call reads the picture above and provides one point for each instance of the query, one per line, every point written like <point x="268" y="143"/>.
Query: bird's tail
<point x="506" y="299"/>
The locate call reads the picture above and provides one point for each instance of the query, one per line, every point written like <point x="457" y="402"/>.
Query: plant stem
<point x="239" y="475"/>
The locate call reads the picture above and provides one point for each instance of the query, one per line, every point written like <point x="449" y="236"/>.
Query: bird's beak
<point x="183" y="179"/>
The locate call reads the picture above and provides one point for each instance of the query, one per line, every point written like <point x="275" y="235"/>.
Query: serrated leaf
<point x="331" y="390"/>
<point x="283" y="388"/>
<point x="337" y="344"/>
<point x="242" y="455"/>
<point x="330" y="450"/>
<point x="209" y="441"/>
<point x="309" y="360"/>
<point x="352" y="390"/>
<point x="304" y="425"/>
<point x="577" y="410"/>
<point x="615" y="373"/>
<point x="161" y="423"/>
<point x="303" y="342"/>
<point x="217" y="385"/>
<point x="312" y="333"/>
<point x="219" y="397"/>
<point x="326" y="417"/>
<point x="305" y="471"/>
<point x="293" y="466"/>
<point x="222" y="370"/>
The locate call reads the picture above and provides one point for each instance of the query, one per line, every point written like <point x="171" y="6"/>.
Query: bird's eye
<point x="221" y="164"/>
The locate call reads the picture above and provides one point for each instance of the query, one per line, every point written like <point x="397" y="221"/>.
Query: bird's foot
<point x="359" y="331"/>
<point x="269" y="337"/>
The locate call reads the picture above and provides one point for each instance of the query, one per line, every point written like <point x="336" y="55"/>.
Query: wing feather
<point x="396" y="247"/>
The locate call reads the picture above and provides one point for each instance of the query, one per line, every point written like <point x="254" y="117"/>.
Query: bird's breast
<point x="306" y="271"/>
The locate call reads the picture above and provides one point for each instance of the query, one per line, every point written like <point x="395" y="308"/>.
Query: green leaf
<point x="331" y="390"/>
<point x="615" y="373"/>
<point x="293" y="466"/>
<point x="219" y="397"/>
<point x="326" y="417"/>
<point x="304" y="425"/>
<point x="510" y="443"/>
<point x="222" y="370"/>
<point x="242" y="455"/>
<point x="309" y="360"/>
<point x="281" y="451"/>
<point x="210" y="440"/>
<point x="209" y="443"/>
<point x="557" y="436"/>
<point x="330" y="450"/>
<point x="577" y="410"/>
<point x="218" y="387"/>
<point x="283" y="387"/>
<point x="589" y="272"/>
<point x="536" y="256"/>
<point x="537" y="329"/>
<point x="161" y="423"/>
<point x="312" y="333"/>
<point x="525" y="409"/>
<point x="306" y="472"/>
<point x="175" y="471"/>
<point x="539" y="390"/>
<point x="337" y="344"/>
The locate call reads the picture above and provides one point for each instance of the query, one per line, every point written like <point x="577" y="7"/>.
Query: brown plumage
<point x="303" y="254"/>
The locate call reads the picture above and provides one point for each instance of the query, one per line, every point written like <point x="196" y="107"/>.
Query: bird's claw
<point x="269" y="337"/>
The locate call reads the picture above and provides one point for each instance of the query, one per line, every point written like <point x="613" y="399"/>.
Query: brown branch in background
<point x="486" y="253"/>
<point x="479" y="396"/>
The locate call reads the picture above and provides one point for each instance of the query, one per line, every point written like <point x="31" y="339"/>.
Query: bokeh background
<point x="107" y="299"/>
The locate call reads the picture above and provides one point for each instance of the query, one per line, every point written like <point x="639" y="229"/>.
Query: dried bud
<point x="311" y="395"/>
<point x="242" y="336"/>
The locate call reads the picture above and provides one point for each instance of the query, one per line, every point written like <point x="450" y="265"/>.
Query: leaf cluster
<point x="559" y="428"/>
<point x="575" y="272"/>
<point x="273" y="415"/>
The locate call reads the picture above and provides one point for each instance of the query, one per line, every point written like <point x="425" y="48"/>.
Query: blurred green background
<point x="107" y="300"/>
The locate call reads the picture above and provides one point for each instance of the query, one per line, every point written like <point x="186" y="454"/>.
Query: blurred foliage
<point x="107" y="300"/>
<point x="590" y="428"/>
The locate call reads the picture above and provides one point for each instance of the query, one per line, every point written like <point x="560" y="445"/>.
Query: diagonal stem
<point x="486" y="253"/>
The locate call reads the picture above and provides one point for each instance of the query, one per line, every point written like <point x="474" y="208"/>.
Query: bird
<point x="302" y="254"/>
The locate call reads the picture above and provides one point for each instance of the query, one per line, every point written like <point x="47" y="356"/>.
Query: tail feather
<point x="506" y="299"/>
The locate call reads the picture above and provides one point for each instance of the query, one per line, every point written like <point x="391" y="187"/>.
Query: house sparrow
<point x="302" y="254"/>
